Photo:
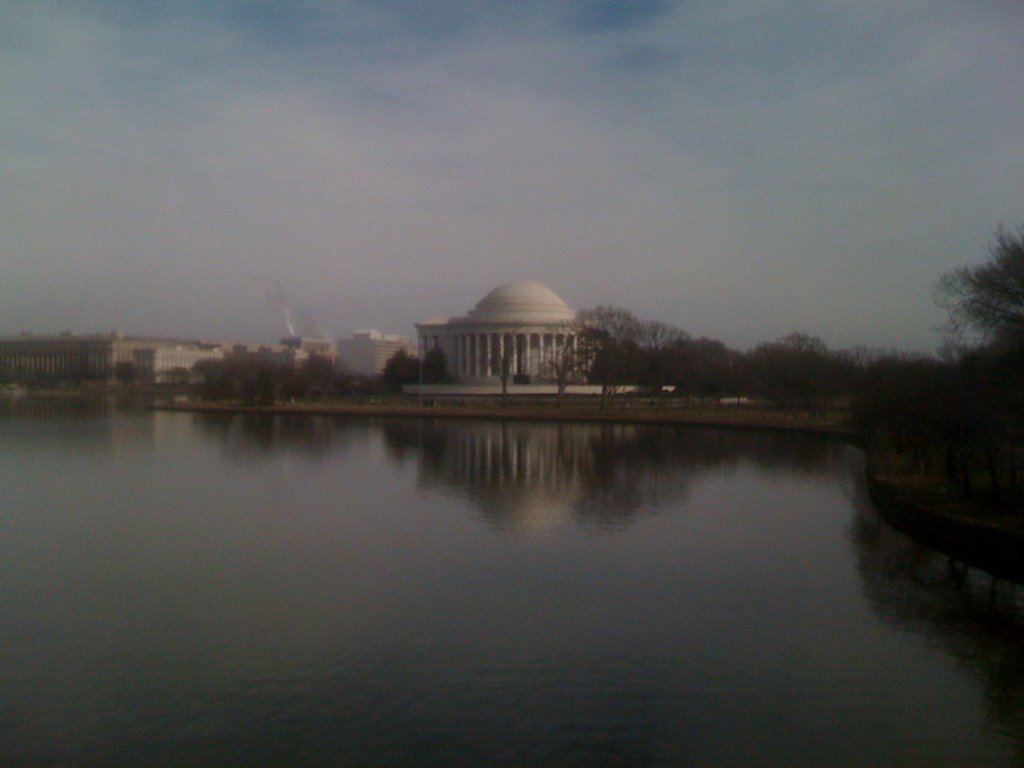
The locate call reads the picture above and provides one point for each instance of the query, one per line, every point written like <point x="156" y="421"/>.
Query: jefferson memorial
<point x="524" y="324"/>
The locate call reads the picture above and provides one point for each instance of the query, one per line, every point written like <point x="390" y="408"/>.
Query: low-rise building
<point x="173" y="364"/>
<point x="305" y="348"/>
<point x="291" y="352"/>
<point x="115" y="356"/>
<point x="96" y="357"/>
<point x="368" y="351"/>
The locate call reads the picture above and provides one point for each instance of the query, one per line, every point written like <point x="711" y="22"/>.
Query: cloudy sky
<point x="739" y="168"/>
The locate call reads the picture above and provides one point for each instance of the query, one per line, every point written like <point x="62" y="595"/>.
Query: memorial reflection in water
<point x="519" y="473"/>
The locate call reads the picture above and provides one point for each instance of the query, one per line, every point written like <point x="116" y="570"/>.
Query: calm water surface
<point x="180" y="590"/>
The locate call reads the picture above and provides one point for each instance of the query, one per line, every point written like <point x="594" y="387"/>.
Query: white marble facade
<point x="523" y="323"/>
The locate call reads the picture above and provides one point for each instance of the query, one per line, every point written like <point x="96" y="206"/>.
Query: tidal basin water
<point x="180" y="590"/>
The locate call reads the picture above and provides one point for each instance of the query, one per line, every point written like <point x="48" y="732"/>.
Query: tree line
<point x="961" y="418"/>
<point x="957" y="417"/>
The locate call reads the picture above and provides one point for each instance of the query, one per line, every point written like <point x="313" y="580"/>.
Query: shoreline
<point x="950" y="526"/>
<point x="637" y="414"/>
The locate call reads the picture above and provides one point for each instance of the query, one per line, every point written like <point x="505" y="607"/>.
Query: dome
<point x="521" y="302"/>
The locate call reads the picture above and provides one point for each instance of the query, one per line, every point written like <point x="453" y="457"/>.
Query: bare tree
<point x="614" y="322"/>
<point x="660" y="345"/>
<point x="793" y="371"/>
<point x="988" y="299"/>
<point x="610" y="339"/>
<point x="704" y="368"/>
<point x="567" y="360"/>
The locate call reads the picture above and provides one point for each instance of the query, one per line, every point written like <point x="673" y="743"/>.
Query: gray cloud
<point x="741" y="169"/>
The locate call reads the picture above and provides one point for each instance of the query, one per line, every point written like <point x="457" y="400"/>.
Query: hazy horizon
<point x="739" y="169"/>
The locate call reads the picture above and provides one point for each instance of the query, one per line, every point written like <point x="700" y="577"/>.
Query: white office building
<point x="368" y="351"/>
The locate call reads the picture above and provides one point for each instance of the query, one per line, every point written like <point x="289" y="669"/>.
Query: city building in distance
<point x="522" y="325"/>
<point x="368" y="351"/>
<point x="99" y="357"/>
<point x="303" y="348"/>
<point x="162" y="363"/>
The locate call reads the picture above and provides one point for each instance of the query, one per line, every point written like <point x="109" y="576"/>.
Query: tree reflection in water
<point x="93" y="423"/>
<point x="976" y="619"/>
<point x="250" y="436"/>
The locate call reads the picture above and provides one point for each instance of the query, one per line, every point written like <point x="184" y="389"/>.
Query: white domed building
<point x="524" y="325"/>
